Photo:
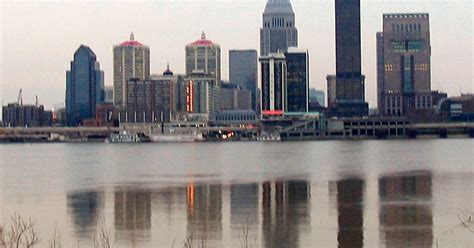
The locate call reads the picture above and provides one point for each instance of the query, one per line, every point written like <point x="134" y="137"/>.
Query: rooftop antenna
<point x="37" y="102"/>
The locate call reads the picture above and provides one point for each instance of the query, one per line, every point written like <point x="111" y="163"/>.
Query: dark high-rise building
<point x="84" y="87"/>
<point x="350" y="90"/>
<point x="279" y="31"/>
<point x="297" y="84"/>
<point x="404" y="64"/>
<point x="274" y="74"/>
<point x="243" y="71"/>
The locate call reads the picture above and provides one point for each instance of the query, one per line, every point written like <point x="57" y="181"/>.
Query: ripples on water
<point x="312" y="194"/>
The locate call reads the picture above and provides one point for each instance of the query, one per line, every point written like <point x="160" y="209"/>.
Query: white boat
<point x="124" y="137"/>
<point x="192" y="137"/>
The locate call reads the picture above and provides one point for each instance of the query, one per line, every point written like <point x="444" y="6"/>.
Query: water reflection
<point x="85" y="209"/>
<point x="405" y="216"/>
<point x="350" y="219"/>
<point x="132" y="214"/>
<point x="244" y="211"/>
<point x="204" y="214"/>
<point x="285" y="207"/>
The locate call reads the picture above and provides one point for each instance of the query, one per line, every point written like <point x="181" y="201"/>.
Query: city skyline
<point x="47" y="79"/>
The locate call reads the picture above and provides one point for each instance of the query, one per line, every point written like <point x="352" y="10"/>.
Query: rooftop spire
<point x="132" y="37"/>
<point x="203" y="35"/>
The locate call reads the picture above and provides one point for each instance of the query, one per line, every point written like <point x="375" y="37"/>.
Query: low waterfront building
<point x="18" y="115"/>
<point x="236" y="118"/>
<point x="460" y="108"/>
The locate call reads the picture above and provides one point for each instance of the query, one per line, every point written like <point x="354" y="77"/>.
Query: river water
<point x="403" y="193"/>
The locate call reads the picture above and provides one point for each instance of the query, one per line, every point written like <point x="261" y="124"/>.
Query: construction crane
<point x="20" y="98"/>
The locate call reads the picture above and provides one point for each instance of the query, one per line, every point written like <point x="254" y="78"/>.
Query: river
<point x="391" y="193"/>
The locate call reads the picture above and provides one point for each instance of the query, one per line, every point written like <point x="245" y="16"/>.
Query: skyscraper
<point x="204" y="57"/>
<point x="350" y="92"/>
<point x="274" y="75"/>
<point x="243" y="71"/>
<point x="131" y="60"/>
<point x="279" y="31"/>
<point x="404" y="64"/>
<point x="84" y="86"/>
<point x="297" y="85"/>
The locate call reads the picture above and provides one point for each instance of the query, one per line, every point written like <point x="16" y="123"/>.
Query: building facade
<point x="204" y="57"/>
<point x="84" y="87"/>
<point x="154" y="100"/>
<point x="234" y="97"/>
<point x="404" y="64"/>
<point x="331" y="91"/>
<point x="274" y="76"/>
<point x="202" y="95"/>
<point x="131" y="60"/>
<point x="279" y="31"/>
<point x="297" y="84"/>
<point x="316" y="100"/>
<point x="243" y="72"/>
<point x="18" y="115"/>
<point x="350" y="88"/>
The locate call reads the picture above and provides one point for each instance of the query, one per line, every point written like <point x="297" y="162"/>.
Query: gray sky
<point x="39" y="38"/>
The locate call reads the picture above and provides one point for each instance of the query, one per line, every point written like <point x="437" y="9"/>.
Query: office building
<point x="274" y="75"/>
<point x="131" y="60"/>
<point x="297" y="84"/>
<point x="350" y="90"/>
<point x="279" y="31"/>
<point x="243" y="72"/>
<point x="404" y="65"/>
<point x="154" y="100"/>
<point x="84" y="87"/>
<point x="331" y="91"/>
<point x="233" y="97"/>
<point x="316" y="100"/>
<point x="204" y="57"/>
<point x="18" y="115"/>
<point x="202" y="95"/>
<point x="109" y="94"/>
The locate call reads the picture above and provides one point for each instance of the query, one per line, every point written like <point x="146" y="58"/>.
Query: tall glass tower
<point x="350" y="90"/>
<point x="84" y="86"/>
<point x="278" y="31"/>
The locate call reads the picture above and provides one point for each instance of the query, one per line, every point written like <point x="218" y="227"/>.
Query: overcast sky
<point x="39" y="38"/>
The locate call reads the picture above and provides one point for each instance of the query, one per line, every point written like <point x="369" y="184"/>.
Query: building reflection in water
<point x="285" y="209"/>
<point x="244" y="209"/>
<point x="132" y="212"/>
<point x="204" y="214"/>
<point x="85" y="209"/>
<point x="350" y="219"/>
<point x="405" y="216"/>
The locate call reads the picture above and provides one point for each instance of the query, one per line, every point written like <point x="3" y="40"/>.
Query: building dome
<point x="203" y="41"/>
<point x="131" y="42"/>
